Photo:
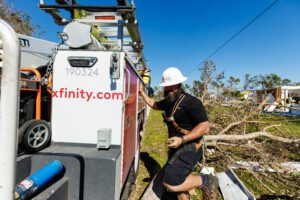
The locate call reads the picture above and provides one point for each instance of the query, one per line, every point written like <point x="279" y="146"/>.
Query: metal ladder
<point x="122" y="30"/>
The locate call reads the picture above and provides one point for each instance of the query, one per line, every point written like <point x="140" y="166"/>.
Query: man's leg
<point x="208" y="184"/>
<point x="177" y="177"/>
<point x="191" y="182"/>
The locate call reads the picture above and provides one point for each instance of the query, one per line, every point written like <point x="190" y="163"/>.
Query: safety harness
<point x="171" y="117"/>
<point x="189" y="147"/>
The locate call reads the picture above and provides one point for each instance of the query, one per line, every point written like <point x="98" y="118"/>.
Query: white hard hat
<point x="172" y="76"/>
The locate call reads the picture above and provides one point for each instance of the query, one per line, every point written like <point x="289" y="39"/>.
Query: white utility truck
<point x="97" y="113"/>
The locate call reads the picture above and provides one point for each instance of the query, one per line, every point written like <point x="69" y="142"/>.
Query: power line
<point x="235" y="35"/>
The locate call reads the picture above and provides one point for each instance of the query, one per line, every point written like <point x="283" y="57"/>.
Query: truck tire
<point x="21" y="133"/>
<point x="36" y="136"/>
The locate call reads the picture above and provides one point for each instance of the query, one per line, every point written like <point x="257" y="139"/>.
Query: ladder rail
<point x="124" y="9"/>
<point x="134" y="31"/>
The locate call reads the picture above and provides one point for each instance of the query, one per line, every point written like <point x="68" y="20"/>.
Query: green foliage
<point x="207" y="70"/>
<point x="296" y="174"/>
<point x="293" y="156"/>
<point x="155" y="138"/>
<point x="233" y="81"/>
<point x="158" y="93"/>
<point x="209" y="82"/>
<point x="231" y="89"/>
<point x="217" y="83"/>
<point x="286" y="82"/>
<point x="186" y="88"/>
<point x="268" y="81"/>
<point x="250" y="82"/>
<point x="206" y="75"/>
<point x="19" y="20"/>
<point x="197" y="88"/>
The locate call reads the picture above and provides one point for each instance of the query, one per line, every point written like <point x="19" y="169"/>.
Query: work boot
<point x="210" y="190"/>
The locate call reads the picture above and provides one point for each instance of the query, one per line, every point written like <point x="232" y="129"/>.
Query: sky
<point x="183" y="33"/>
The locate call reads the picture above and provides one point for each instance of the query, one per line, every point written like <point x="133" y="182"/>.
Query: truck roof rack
<point x="118" y="24"/>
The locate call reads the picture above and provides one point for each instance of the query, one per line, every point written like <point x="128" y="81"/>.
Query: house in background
<point x="280" y="94"/>
<point x="285" y="96"/>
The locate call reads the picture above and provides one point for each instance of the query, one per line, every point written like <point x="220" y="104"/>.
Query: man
<point x="187" y="122"/>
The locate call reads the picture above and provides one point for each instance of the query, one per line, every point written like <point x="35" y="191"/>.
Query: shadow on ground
<point x="150" y="164"/>
<point x="153" y="168"/>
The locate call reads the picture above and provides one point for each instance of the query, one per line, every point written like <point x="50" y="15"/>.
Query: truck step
<point x="58" y="190"/>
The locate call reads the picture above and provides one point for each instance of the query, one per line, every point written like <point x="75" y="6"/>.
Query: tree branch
<point x="205" y="88"/>
<point x="215" y="144"/>
<point x="274" y="125"/>
<point x="230" y="126"/>
<point x="250" y="136"/>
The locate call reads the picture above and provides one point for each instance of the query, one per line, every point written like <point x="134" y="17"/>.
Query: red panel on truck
<point x="130" y="137"/>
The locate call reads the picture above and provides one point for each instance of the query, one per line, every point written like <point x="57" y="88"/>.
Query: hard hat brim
<point x="173" y="83"/>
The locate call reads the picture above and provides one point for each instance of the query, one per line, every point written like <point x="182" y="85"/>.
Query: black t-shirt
<point x="189" y="113"/>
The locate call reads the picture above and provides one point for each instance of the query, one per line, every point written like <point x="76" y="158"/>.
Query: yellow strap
<point x="177" y="127"/>
<point x="177" y="104"/>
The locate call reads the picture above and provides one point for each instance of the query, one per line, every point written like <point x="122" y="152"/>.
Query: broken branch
<point x="250" y="136"/>
<point x="230" y="126"/>
<point x="274" y="125"/>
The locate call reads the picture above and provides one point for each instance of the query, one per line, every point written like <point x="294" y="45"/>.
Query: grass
<point x="291" y="125"/>
<point x="154" y="155"/>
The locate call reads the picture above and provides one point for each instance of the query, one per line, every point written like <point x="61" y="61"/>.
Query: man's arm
<point x="195" y="133"/>
<point x="147" y="99"/>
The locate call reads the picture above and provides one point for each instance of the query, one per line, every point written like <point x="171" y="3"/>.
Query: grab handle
<point x="128" y="84"/>
<point x="9" y="108"/>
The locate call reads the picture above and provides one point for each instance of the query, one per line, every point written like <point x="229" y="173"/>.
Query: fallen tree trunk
<point x="250" y="136"/>
<point x="234" y="124"/>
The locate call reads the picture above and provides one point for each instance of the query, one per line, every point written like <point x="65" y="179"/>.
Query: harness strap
<point x="181" y="97"/>
<point x="178" y="128"/>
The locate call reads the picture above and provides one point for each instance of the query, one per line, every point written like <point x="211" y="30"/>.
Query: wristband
<point x="183" y="140"/>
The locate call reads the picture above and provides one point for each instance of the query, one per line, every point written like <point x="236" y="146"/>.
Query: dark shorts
<point x="176" y="173"/>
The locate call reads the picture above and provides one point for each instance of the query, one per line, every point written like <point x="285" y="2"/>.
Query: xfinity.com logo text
<point x="86" y="95"/>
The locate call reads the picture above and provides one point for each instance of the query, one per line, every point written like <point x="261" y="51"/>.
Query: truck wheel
<point x="21" y="133"/>
<point x="36" y="136"/>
